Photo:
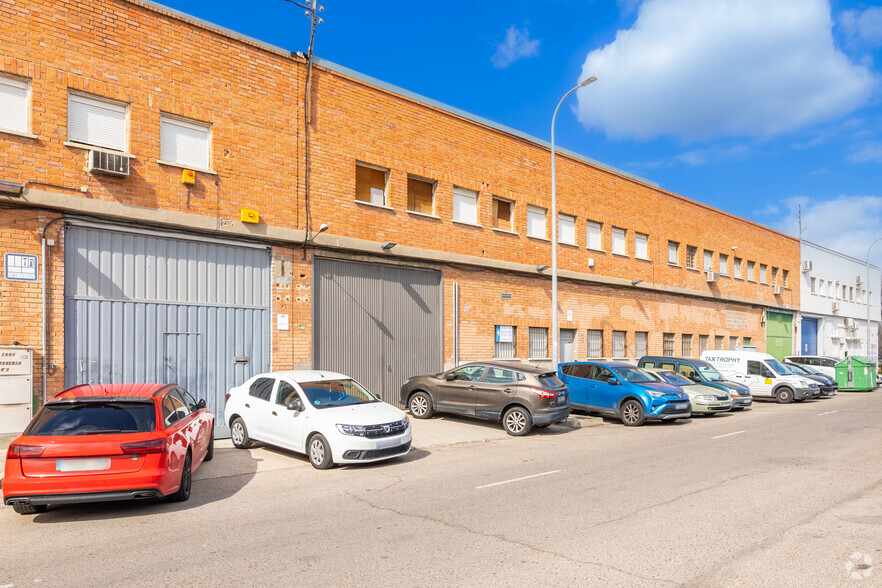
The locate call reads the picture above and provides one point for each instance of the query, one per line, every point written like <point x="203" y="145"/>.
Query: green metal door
<point x="779" y="334"/>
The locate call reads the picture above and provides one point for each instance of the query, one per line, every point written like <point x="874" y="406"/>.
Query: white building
<point x="834" y="293"/>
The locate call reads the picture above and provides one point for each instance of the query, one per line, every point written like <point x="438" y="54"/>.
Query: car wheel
<point x="239" y="433"/>
<point x="633" y="414"/>
<point x="784" y="395"/>
<point x="320" y="453"/>
<point x="209" y="453"/>
<point x="517" y="421"/>
<point x="183" y="493"/>
<point x="26" y="509"/>
<point x="420" y="405"/>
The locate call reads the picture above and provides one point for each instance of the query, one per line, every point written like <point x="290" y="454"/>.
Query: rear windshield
<point x="549" y="380"/>
<point x="94" y="418"/>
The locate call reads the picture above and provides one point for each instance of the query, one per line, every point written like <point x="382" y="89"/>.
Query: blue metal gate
<point x="809" y="344"/>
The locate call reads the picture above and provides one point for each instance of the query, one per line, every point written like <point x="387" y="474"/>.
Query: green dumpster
<point x="856" y="374"/>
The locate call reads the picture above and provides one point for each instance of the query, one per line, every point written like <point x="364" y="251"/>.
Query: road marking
<point x="516" y="479"/>
<point x="823" y="413"/>
<point x="727" y="435"/>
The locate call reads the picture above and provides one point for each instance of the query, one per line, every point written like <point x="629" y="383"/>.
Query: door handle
<point x="509" y="390"/>
<point x="471" y="387"/>
<point x="247" y="405"/>
<point x="275" y="414"/>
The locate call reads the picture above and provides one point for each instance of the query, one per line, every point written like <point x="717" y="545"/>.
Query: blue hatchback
<point x="624" y="391"/>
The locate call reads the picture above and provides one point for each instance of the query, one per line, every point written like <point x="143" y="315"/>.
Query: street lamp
<point x="554" y="329"/>
<point x="868" y="297"/>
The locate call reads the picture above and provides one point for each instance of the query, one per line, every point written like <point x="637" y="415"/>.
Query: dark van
<point x="701" y="372"/>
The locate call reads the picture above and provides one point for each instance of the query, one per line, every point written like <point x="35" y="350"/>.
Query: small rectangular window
<point x="724" y="264"/>
<point x="370" y="184"/>
<point x="736" y="267"/>
<point x="702" y="343"/>
<point x="686" y="345"/>
<point x="641" y="246"/>
<point x="673" y="252"/>
<point x="594" y="235"/>
<point x="850" y="293"/>
<point x="719" y="341"/>
<point x="762" y="273"/>
<point x="97" y="122"/>
<point x="538" y="342"/>
<point x="750" y="266"/>
<point x="690" y="256"/>
<point x="814" y="285"/>
<point x="506" y="342"/>
<point x="708" y="261"/>
<point x="595" y="343"/>
<point x="745" y="340"/>
<point x="566" y="229"/>
<point x="640" y="343"/>
<point x="733" y="343"/>
<point x="420" y="196"/>
<point x="184" y="142"/>
<point x="668" y="345"/>
<point x="536" y="222"/>
<point x="620" y="344"/>
<point x="502" y="214"/>
<point x="618" y="241"/>
<point x="774" y="276"/>
<point x="465" y="206"/>
<point x="785" y="278"/>
<point x="14" y="104"/>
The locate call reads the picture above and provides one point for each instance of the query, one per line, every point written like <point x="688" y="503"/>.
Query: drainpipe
<point x="455" y="324"/>
<point x="43" y="343"/>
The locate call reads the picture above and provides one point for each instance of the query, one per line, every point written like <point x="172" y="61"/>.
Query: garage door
<point x="377" y="323"/>
<point x="151" y="308"/>
<point x="779" y="334"/>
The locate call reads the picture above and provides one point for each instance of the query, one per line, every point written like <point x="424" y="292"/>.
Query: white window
<point x="536" y="222"/>
<point x="640" y="343"/>
<point x="594" y="234"/>
<point x="736" y="267"/>
<point x="618" y="241"/>
<point x="708" y="261"/>
<point x="724" y="265"/>
<point x="186" y="143"/>
<point x="641" y="246"/>
<point x="750" y="266"/>
<point x="97" y="122"/>
<point x="620" y="344"/>
<point x="673" y="252"/>
<point x="14" y="98"/>
<point x="566" y="229"/>
<point x="762" y="273"/>
<point x="465" y="206"/>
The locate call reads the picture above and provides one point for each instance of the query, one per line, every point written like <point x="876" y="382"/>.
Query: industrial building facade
<point x="144" y="144"/>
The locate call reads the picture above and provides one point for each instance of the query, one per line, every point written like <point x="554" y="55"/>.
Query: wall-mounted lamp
<point x="322" y="228"/>
<point x="734" y="247"/>
<point x="10" y="188"/>
<point x="541" y="268"/>
<point x="635" y="281"/>
<point x="388" y="245"/>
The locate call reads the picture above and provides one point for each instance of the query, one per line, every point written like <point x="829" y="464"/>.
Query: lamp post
<point x="554" y="329"/>
<point x="868" y="296"/>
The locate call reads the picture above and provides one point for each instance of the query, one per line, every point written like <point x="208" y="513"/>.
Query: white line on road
<point x="727" y="435"/>
<point x="830" y="412"/>
<point x="516" y="479"/>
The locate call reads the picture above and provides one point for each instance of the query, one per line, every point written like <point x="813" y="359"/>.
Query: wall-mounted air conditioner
<point x="858" y="280"/>
<point x="806" y="266"/>
<point x="778" y="290"/>
<point x="835" y="307"/>
<point x="712" y="276"/>
<point x="114" y="164"/>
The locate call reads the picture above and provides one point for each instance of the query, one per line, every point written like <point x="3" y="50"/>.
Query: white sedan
<point x="328" y="416"/>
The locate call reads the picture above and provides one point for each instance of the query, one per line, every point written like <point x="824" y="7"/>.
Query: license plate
<point x="681" y="405"/>
<point x="562" y="399"/>
<point x="82" y="465"/>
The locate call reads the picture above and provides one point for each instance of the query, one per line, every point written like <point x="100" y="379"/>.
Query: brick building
<point x="437" y="221"/>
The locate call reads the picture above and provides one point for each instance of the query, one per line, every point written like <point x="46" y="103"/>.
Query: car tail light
<point x="543" y="393"/>
<point x="16" y="451"/>
<point x="152" y="446"/>
<point x="226" y="397"/>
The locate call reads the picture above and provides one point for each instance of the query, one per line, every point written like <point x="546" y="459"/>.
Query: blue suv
<point x="624" y="391"/>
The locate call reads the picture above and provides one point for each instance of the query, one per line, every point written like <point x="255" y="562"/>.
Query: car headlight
<point x="733" y="392"/>
<point x="706" y="398"/>
<point x="656" y="393"/>
<point x="357" y="430"/>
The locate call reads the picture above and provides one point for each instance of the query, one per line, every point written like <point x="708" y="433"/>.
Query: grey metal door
<point x="375" y="322"/>
<point x="152" y="308"/>
<point x="567" y="340"/>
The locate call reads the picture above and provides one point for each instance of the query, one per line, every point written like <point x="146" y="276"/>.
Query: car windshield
<point x="709" y="372"/>
<point x="676" y="379"/>
<point x="328" y="393"/>
<point x="633" y="375"/>
<point x="93" y="418"/>
<point x="779" y="367"/>
<point x="798" y="369"/>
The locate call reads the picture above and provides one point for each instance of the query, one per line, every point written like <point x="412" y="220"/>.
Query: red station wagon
<point x="96" y="443"/>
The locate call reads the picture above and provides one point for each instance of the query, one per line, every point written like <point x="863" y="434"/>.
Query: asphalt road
<point x="777" y="496"/>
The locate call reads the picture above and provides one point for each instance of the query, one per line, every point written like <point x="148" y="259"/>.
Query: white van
<point x="763" y="374"/>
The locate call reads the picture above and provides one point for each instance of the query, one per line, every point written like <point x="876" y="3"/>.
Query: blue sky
<point x="751" y="106"/>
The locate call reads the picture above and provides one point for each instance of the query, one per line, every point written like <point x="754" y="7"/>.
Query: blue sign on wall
<point x="20" y="267"/>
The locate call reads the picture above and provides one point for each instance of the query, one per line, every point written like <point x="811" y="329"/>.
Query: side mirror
<point x="296" y="404"/>
<point x="612" y="381"/>
<point x="450" y="377"/>
<point x="201" y="404"/>
<point x="695" y="378"/>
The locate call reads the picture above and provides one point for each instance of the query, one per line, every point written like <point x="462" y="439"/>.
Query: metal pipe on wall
<point x="43" y="294"/>
<point x="455" y="324"/>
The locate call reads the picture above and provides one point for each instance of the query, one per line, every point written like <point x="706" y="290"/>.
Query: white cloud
<point x="868" y="151"/>
<point x="701" y="69"/>
<point x="695" y="157"/>
<point x="517" y="45"/>
<point x="865" y="26"/>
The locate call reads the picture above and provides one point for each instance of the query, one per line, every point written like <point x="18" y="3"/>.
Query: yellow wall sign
<point x="188" y="176"/>
<point x="249" y="216"/>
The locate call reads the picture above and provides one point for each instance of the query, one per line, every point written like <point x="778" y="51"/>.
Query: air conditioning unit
<point x="835" y="307"/>
<point x="114" y="164"/>
<point x="713" y="276"/>
<point x="778" y="290"/>
<point x="849" y="323"/>
<point x="806" y="266"/>
<point x="858" y="280"/>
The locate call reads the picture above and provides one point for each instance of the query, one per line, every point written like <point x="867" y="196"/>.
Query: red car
<point x="95" y="443"/>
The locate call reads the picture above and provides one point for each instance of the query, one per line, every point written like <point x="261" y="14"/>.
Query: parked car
<point x="97" y="443"/>
<point x="701" y="372"/>
<point x="828" y="385"/>
<point x="519" y="395"/>
<point x="623" y="391"/>
<point x="824" y="364"/>
<point x="702" y="399"/>
<point x="326" y="415"/>
<point x="763" y="374"/>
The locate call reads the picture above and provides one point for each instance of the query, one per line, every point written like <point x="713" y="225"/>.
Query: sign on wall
<point x="20" y="267"/>
<point x="504" y="333"/>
